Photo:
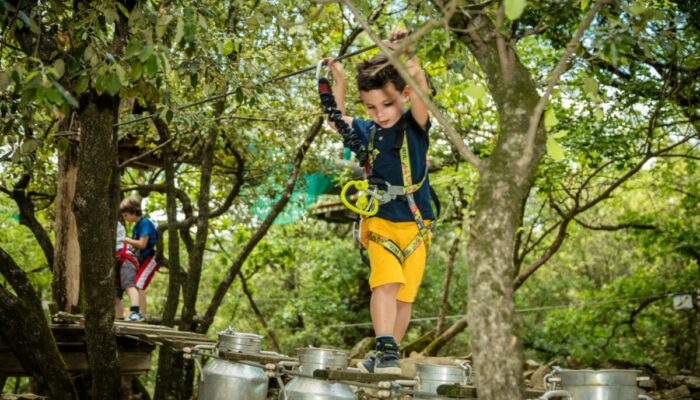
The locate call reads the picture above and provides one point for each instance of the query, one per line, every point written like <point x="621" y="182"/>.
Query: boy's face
<point x="385" y="106"/>
<point x="129" y="217"/>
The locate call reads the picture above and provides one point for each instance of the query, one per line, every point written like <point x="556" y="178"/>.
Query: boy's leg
<point x="383" y="309"/>
<point x="142" y="300"/>
<point x="134" y="298"/>
<point x="403" y="318"/>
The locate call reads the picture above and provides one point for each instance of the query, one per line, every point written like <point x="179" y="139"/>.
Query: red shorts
<point x="146" y="271"/>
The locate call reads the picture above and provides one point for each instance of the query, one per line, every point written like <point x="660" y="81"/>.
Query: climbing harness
<point x="373" y="191"/>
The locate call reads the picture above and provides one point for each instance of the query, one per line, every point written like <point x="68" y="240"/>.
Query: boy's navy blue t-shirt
<point x="142" y="228"/>
<point x="387" y="165"/>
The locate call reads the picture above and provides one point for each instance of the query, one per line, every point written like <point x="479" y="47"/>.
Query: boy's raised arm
<point x="339" y="86"/>
<point x="418" y="109"/>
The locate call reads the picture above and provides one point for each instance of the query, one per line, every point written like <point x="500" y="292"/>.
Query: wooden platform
<point x="135" y="342"/>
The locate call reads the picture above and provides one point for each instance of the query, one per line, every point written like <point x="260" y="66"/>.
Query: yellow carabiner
<point x="365" y="205"/>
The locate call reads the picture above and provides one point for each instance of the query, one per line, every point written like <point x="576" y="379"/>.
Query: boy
<point x="143" y="239"/>
<point x="126" y="268"/>
<point x="394" y="275"/>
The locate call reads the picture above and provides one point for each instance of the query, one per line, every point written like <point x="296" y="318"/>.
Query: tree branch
<point x="235" y="268"/>
<point x="535" y="118"/>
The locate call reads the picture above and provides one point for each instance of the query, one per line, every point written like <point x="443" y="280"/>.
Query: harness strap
<point x="125" y="255"/>
<point x="393" y="248"/>
<point x="407" y="190"/>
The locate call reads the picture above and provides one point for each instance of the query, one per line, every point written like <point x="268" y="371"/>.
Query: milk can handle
<point x="468" y="371"/>
<point x="556" y="393"/>
<point x="550" y="378"/>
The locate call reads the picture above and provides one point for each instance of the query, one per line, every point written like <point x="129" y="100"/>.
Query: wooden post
<point x="66" y="277"/>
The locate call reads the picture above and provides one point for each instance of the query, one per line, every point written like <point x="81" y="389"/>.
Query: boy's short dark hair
<point x="131" y="205"/>
<point x="376" y="72"/>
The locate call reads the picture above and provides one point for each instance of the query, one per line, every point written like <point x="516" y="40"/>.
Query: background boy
<point x="126" y="268"/>
<point x="394" y="283"/>
<point x="143" y="240"/>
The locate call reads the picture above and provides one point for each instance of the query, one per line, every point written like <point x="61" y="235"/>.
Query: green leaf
<point x="227" y="47"/>
<point x="29" y="23"/>
<point x="151" y="66"/>
<point x="60" y="67"/>
<point x="132" y="49"/>
<point x="475" y="91"/>
<point x="121" y="73"/>
<point x="515" y="8"/>
<point x="136" y="71"/>
<point x="29" y="145"/>
<point x="590" y="87"/>
<point x="179" y="31"/>
<point x="123" y="9"/>
<point x="637" y="9"/>
<point x="113" y="84"/>
<point x="82" y="84"/>
<point x="4" y="80"/>
<point x="584" y="5"/>
<point x="53" y="96"/>
<point x="67" y="97"/>
<point x="554" y="149"/>
<point x="190" y="32"/>
<point x="560" y="134"/>
<point x="550" y="119"/>
<point x="599" y="114"/>
<point x="111" y="15"/>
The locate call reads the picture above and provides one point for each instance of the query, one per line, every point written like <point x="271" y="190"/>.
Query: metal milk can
<point x="430" y="376"/>
<point x="226" y="380"/>
<point x="311" y="359"/>
<point x="586" y="384"/>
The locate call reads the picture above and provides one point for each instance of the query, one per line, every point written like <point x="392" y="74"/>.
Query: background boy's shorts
<point x="385" y="267"/>
<point x="126" y="274"/>
<point x="146" y="271"/>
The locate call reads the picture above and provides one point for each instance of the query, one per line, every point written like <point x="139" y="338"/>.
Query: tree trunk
<point x="696" y="302"/>
<point x="444" y="302"/>
<point x="494" y="332"/>
<point x="66" y="269"/>
<point x="169" y="380"/>
<point x="25" y="329"/>
<point x="96" y="206"/>
<point x="197" y="256"/>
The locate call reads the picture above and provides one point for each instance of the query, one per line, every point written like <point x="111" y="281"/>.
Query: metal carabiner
<point x="319" y="66"/>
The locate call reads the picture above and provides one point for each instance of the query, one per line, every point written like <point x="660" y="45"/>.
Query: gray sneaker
<point x="387" y="362"/>
<point x="367" y="365"/>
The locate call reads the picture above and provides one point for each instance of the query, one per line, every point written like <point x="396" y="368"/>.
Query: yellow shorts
<point x="385" y="267"/>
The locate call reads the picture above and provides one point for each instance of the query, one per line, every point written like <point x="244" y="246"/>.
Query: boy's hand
<point x="336" y="68"/>
<point x="395" y="42"/>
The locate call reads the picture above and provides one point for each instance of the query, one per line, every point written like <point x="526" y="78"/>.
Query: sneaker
<point x="388" y="361"/>
<point x="367" y="365"/>
<point x="135" y="317"/>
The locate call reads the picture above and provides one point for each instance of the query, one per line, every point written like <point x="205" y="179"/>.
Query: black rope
<point x="229" y="93"/>
<point x="351" y="139"/>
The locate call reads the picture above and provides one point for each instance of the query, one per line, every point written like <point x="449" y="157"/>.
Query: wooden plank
<point x="335" y="375"/>
<point x="469" y="392"/>
<point x="130" y="362"/>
